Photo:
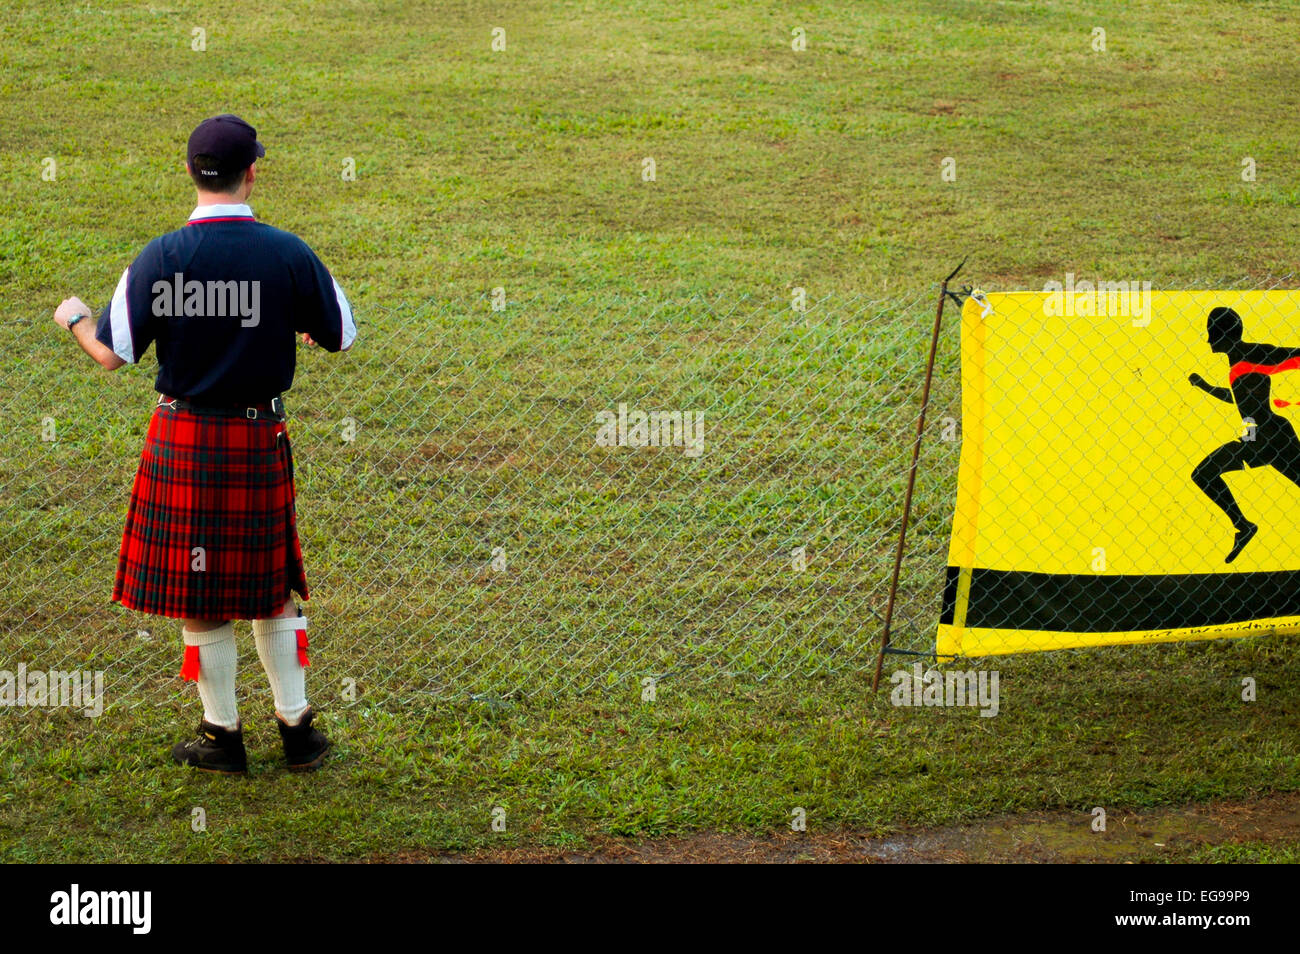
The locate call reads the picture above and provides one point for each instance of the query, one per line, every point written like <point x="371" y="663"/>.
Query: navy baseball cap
<point x="227" y="139"/>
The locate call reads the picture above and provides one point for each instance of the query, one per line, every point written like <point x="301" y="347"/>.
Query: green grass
<point x="774" y="168"/>
<point x="1247" y="854"/>
<point x="1163" y="726"/>
<point x="522" y="169"/>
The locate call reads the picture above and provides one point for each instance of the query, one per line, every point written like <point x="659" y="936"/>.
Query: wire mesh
<point x="485" y="509"/>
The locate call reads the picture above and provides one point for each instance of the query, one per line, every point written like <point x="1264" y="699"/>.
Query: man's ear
<point x="250" y="174"/>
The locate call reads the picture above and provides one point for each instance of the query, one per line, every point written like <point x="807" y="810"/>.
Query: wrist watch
<point x="72" y="322"/>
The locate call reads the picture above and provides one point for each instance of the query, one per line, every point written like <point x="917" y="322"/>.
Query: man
<point x="211" y="531"/>
<point x="1270" y="440"/>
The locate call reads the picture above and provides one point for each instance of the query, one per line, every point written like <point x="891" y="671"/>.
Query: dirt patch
<point x="1141" y="836"/>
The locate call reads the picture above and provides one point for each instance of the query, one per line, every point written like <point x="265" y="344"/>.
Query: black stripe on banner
<point x="1094" y="603"/>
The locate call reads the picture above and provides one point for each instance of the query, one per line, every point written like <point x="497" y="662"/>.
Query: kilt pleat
<point x="211" y="529"/>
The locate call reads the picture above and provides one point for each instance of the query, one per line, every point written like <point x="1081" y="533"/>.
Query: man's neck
<point x="220" y="198"/>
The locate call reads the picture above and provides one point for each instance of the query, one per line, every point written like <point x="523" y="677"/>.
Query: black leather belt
<point x="274" y="411"/>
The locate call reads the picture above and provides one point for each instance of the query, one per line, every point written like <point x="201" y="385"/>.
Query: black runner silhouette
<point x="1270" y="440"/>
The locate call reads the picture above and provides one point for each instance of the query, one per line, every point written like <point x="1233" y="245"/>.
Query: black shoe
<point x="304" y="747"/>
<point x="214" y="750"/>
<point x="1244" y="535"/>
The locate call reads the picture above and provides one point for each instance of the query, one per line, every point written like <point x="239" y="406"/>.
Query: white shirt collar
<point x="221" y="211"/>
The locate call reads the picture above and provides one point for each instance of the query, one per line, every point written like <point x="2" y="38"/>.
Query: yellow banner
<point x="1130" y="469"/>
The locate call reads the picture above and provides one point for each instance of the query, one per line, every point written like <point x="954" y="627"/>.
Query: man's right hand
<point x="69" y="307"/>
<point x="1197" y="381"/>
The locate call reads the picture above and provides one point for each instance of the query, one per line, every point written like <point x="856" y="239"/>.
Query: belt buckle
<point x="250" y="413"/>
<point x="169" y="404"/>
<point x="277" y="405"/>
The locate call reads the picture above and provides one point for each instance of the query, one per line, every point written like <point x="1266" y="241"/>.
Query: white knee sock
<point x="218" y="661"/>
<point x="282" y="647"/>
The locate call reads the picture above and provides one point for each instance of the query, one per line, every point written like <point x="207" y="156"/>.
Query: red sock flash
<point x="190" y="665"/>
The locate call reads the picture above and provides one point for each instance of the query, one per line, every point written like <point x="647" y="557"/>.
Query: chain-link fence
<point x="586" y="494"/>
<point x="539" y="497"/>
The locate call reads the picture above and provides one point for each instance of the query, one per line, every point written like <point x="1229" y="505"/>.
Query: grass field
<point x="522" y="169"/>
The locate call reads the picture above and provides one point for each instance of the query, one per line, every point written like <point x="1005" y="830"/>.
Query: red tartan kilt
<point x="211" y="531"/>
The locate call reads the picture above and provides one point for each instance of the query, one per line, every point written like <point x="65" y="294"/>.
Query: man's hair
<point x="203" y="171"/>
<point x="1224" y="323"/>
